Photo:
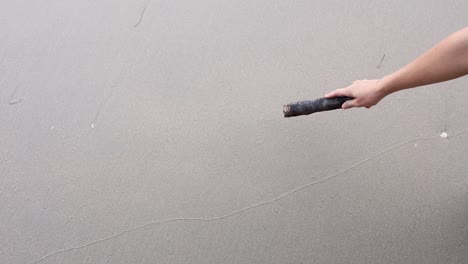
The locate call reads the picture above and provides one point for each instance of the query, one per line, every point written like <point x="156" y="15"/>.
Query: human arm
<point x="445" y="61"/>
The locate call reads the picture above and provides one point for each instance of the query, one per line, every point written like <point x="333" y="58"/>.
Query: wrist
<point x="386" y="86"/>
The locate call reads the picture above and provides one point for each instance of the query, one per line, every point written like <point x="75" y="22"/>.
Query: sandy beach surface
<point x="152" y="132"/>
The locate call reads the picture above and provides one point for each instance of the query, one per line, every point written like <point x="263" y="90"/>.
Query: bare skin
<point x="445" y="61"/>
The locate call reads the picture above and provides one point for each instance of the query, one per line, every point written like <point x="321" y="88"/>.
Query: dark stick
<point x="318" y="105"/>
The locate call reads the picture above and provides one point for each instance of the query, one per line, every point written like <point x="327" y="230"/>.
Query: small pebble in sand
<point x="444" y="135"/>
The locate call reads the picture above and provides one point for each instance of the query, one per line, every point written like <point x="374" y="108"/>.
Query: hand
<point x="366" y="93"/>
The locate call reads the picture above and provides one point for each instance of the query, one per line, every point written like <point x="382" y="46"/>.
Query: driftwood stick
<point x="318" y="105"/>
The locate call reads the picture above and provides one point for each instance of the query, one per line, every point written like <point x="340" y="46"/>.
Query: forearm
<point x="445" y="61"/>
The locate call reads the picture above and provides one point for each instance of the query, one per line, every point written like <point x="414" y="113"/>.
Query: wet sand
<point x="153" y="132"/>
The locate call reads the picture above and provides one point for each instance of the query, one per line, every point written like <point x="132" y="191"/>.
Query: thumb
<point x="336" y="93"/>
<point x="349" y="104"/>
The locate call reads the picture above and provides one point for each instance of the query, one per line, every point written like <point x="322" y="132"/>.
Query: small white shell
<point x="444" y="135"/>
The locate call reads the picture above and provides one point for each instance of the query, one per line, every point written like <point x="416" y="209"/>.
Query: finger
<point x="330" y="94"/>
<point x="349" y="104"/>
<point x="336" y="93"/>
